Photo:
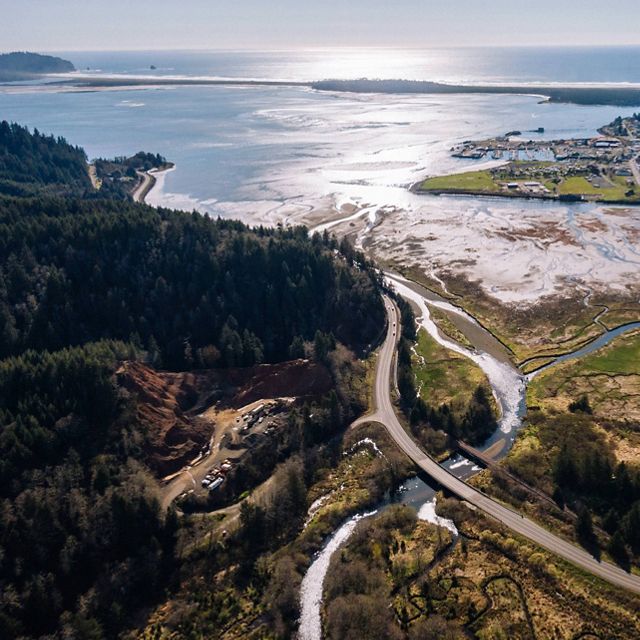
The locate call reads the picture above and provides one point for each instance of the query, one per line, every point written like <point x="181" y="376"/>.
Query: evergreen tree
<point x="631" y="527"/>
<point x="584" y="528"/>
<point x="564" y="470"/>
<point x="296" y="349"/>
<point x="618" y="550"/>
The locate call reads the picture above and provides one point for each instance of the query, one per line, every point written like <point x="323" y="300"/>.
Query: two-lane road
<point x="386" y="415"/>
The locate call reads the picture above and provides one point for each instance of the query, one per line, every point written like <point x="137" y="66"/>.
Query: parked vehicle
<point x="215" y="484"/>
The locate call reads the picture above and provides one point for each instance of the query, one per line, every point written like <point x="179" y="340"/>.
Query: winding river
<point x="508" y="383"/>
<point x="311" y="587"/>
<point x="509" y="387"/>
<point x="597" y="343"/>
<point x="413" y="491"/>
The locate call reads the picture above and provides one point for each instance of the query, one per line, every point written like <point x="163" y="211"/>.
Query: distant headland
<point x="22" y="65"/>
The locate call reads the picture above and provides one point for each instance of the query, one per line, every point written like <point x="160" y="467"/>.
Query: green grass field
<point x="622" y="357"/>
<point x="444" y="376"/>
<point x="610" y="377"/>
<point x="471" y="181"/>
<point x="485" y="182"/>
<point x="580" y="186"/>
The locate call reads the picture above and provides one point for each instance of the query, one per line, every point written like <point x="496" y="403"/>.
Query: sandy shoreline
<point x="153" y="181"/>
<point x="519" y="253"/>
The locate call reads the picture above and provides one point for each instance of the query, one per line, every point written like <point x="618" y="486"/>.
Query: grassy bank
<point x="581" y="445"/>
<point x="481" y="182"/>
<point x="443" y="376"/>
<point x="610" y="377"/>
<point x="553" y="326"/>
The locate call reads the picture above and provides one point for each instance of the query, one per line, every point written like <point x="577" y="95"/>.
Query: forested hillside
<point x="83" y="542"/>
<point x="21" y="65"/>
<point x="191" y="290"/>
<point x="33" y="163"/>
<point x="85" y="284"/>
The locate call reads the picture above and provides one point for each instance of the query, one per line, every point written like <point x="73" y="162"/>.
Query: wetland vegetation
<point x="581" y="446"/>
<point x="413" y="580"/>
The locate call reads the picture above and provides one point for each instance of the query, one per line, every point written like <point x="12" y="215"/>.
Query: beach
<point x="152" y="179"/>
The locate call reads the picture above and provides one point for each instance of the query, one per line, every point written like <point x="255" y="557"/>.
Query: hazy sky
<point x="43" y="25"/>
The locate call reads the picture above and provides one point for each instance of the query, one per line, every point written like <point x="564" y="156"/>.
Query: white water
<point x="428" y="513"/>
<point x="463" y="463"/>
<point x="368" y="442"/>
<point x="507" y="383"/>
<point x="313" y="582"/>
<point x="314" y="508"/>
<point x="311" y="588"/>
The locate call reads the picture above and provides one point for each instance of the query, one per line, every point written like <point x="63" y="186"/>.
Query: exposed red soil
<point x="169" y="404"/>
<point x="288" y="379"/>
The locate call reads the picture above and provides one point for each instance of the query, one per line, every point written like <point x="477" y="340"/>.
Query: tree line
<point x="190" y="290"/>
<point x="587" y="477"/>
<point x="34" y="163"/>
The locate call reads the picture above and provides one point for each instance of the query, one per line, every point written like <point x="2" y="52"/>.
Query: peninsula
<point x="584" y="94"/>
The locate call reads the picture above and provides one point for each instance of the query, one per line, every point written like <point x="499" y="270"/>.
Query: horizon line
<point x="336" y="47"/>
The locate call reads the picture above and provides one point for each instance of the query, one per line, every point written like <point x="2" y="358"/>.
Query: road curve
<point x="386" y="415"/>
<point x="141" y="191"/>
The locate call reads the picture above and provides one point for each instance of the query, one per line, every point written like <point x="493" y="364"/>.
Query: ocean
<point x="459" y="65"/>
<point x="274" y="153"/>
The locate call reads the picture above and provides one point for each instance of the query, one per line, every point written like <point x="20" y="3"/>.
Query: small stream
<point x="508" y="383"/>
<point x="592" y="346"/>
<point x="509" y="386"/>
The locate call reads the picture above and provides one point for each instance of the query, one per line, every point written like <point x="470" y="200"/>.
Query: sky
<point x="65" y="25"/>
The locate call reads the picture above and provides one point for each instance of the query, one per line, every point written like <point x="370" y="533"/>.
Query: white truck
<point x="215" y="484"/>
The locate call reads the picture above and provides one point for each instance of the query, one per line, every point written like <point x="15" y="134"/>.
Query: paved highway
<point x="385" y="414"/>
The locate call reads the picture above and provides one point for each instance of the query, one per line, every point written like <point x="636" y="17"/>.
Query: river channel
<point x="509" y="387"/>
